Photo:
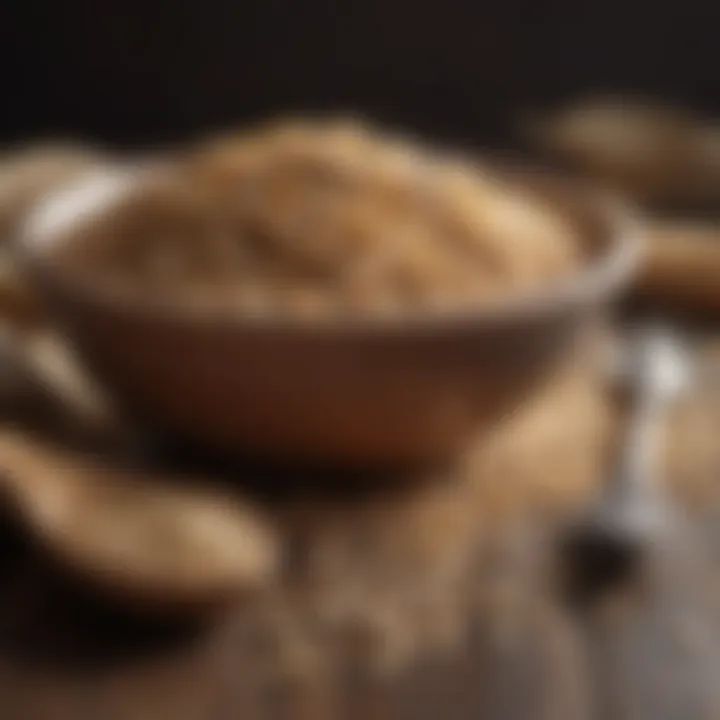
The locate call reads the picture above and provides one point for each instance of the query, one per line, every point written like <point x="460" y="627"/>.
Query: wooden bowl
<point x="362" y="392"/>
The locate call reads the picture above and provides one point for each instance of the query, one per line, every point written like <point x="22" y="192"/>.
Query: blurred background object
<point x="27" y="173"/>
<point x="30" y="170"/>
<point x="660" y="155"/>
<point x="682" y="267"/>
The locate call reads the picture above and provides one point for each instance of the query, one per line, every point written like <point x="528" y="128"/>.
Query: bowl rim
<point x="57" y="213"/>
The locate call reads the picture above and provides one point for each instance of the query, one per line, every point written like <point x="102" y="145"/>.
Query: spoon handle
<point x="641" y="441"/>
<point x="657" y="377"/>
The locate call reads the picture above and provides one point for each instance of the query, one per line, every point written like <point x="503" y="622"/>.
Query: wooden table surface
<point x="651" y="651"/>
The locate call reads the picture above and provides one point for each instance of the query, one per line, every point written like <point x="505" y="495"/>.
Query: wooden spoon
<point x="153" y="541"/>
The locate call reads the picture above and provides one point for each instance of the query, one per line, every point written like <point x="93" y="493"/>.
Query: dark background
<point x="140" y="71"/>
